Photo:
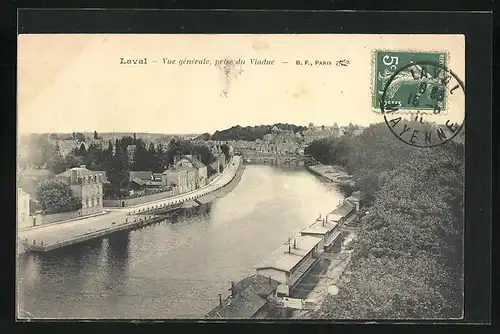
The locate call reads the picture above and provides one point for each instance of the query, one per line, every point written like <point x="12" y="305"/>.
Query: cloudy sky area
<point x="72" y="83"/>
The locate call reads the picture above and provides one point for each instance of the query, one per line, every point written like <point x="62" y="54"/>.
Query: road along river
<point x="175" y="268"/>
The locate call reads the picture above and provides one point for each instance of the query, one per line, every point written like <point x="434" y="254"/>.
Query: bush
<point x="55" y="196"/>
<point x="407" y="261"/>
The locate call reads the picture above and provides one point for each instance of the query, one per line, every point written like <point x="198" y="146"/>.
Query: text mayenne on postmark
<point x="421" y="99"/>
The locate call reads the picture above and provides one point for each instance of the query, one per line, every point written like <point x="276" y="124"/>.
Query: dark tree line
<point x="251" y="133"/>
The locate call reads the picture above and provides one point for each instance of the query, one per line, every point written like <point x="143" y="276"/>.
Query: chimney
<point x="289" y="248"/>
<point x="220" y="300"/>
<point x="232" y="289"/>
<point x="295" y="243"/>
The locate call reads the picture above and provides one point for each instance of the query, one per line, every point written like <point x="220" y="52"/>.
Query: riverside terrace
<point x="67" y="233"/>
<point x="285" y="268"/>
<point x="291" y="261"/>
<point x="329" y="227"/>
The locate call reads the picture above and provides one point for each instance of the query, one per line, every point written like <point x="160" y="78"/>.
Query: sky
<point x="69" y="83"/>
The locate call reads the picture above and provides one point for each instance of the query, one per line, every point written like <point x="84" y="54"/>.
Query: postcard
<point x="186" y="176"/>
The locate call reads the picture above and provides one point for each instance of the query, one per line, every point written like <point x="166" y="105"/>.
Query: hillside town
<point x="92" y="171"/>
<point x="80" y="191"/>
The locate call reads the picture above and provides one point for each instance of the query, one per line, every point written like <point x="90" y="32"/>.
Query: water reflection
<point x="176" y="268"/>
<point x="116" y="265"/>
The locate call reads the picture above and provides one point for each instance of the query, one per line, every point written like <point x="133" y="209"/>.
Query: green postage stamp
<point x="412" y="80"/>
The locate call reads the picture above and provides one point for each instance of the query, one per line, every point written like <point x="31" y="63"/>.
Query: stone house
<point x="87" y="185"/>
<point x="182" y="177"/>
<point x="191" y="161"/>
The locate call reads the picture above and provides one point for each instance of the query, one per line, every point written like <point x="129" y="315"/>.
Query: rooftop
<point x="250" y="295"/>
<point x="143" y="175"/>
<point x="138" y="181"/>
<point x="342" y="210"/>
<point x="282" y="260"/>
<point x="80" y="172"/>
<point x="177" y="169"/>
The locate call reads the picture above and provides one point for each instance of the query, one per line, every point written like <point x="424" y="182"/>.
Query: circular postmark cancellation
<point x="429" y="110"/>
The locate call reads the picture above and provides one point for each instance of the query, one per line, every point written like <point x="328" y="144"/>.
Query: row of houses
<point x="85" y="184"/>
<point x="283" y="270"/>
<point x="186" y="174"/>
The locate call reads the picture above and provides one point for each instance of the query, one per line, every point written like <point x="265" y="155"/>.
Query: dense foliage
<point x="55" y="196"/>
<point x="225" y="150"/>
<point x="407" y="260"/>
<point x="115" y="158"/>
<point x="251" y="133"/>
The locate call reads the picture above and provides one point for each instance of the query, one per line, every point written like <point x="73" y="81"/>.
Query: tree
<point x="94" y="158"/>
<point x="118" y="172"/>
<point x="126" y="141"/>
<point x="73" y="161"/>
<point x="203" y="137"/>
<point x="96" y="136"/>
<point x="55" y="196"/>
<point x="82" y="151"/>
<point x="54" y="136"/>
<point x="141" y="157"/>
<point x="407" y="260"/>
<point x="56" y="164"/>
<point x="152" y="161"/>
<point x="251" y="133"/>
<point x="225" y="149"/>
<point x="78" y="136"/>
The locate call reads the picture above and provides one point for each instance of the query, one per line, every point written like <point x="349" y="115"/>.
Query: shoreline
<point x="128" y="219"/>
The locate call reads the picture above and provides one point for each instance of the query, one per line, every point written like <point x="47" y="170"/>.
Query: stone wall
<point x="56" y="217"/>
<point x="139" y="200"/>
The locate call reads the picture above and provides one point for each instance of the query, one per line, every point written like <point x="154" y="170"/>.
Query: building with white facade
<point x="291" y="261"/>
<point x="191" y="161"/>
<point x="325" y="228"/>
<point x="23" y="209"/>
<point x="87" y="185"/>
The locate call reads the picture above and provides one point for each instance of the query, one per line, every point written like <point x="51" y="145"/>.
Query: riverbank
<point x="61" y="235"/>
<point x="323" y="280"/>
<point x="223" y="191"/>
<point x="174" y="269"/>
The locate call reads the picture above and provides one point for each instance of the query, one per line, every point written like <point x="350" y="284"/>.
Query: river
<point x="176" y="268"/>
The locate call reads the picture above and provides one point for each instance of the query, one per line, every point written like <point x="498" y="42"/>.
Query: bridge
<point x="274" y="158"/>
